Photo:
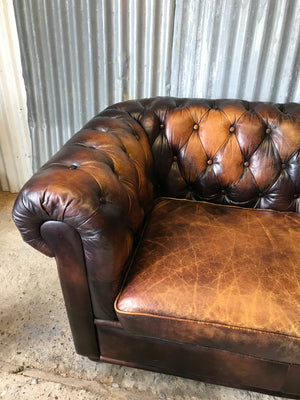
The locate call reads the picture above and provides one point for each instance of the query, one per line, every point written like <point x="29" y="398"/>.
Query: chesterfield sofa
<point x="176" y="229"/>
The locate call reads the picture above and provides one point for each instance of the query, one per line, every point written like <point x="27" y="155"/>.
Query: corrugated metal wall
<point x="15" y="146"/>
<point x="245" y="49"/>
<point x="81" y="55"/>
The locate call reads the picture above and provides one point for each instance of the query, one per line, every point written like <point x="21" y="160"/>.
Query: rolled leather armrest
<point x="100" y="183"/>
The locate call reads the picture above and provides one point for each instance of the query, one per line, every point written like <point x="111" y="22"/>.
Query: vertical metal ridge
<point x="117" y="49"/>
<point x="100" y="46"/>
<point x="82" y="51"/>
<point x="35" y="105"/>
<point x="289" y="54"/>
<point x="165" y="52"/>
<point x="60" y="57"/>
<point x="294" y="84"/>
<point x="51" y="111"/>
<point x="206" y="49"/>
<point x="234" y="82"/>
<point x="134" y="51"/>
<point x="259" y="12"/>
<point x="148" y="47"/>
<point x="72" y="66"/>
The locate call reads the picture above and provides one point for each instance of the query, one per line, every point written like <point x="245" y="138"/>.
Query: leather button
<point x="73" y="167"/>
<point x="162" y="126"/>
<point x="296" y="195"/>
<point x="102" y="200"/>
<point x="283" y="165"/>
<point x="268" y="130"/>
<point x="232" y="129"/>
<point x="175" y="158"/>
<point x="260" y="194"/>
<point x="223" y="191"/>
<point x="246" y="163"/>
<point x="190" y="188"/>
<point x="196" y="127"/>
<point x="209" y="162"/>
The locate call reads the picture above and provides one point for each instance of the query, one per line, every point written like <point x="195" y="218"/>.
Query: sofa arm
<point x="100" y="184"/>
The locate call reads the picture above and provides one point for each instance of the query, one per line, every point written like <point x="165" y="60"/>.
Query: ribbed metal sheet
<point x="15" y="146"/>
<point x="245" y="49"/>
<point x="81" y="55"/>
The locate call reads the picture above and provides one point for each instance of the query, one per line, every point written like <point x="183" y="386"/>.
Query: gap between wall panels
<point x="79" y="56"/>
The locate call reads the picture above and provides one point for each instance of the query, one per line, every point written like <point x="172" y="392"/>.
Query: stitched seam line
<point x="216" y="324"/>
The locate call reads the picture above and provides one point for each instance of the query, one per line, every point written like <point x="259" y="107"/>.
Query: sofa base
<point x="196" y="362"/>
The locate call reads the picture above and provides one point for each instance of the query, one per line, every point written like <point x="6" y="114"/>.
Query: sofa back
<point x="224" y="151"/>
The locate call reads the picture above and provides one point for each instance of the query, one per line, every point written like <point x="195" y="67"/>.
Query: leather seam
<point x="264" y="210"/>
<point x="216" y="324"/>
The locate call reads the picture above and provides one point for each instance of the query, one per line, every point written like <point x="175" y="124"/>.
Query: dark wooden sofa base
<point x="196" y="362"/>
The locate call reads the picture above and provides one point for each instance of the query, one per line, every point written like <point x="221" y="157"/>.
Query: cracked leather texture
<point x="105" y="178"/>
<point x="217" y="275"/>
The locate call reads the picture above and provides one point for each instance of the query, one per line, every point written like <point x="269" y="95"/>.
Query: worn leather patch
<point x="219" y="276"/>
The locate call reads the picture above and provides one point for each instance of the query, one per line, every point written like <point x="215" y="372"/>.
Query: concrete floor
<point x="37" y="359"/>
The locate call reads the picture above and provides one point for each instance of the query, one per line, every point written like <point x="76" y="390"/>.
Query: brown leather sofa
<point x="175" y="225"/>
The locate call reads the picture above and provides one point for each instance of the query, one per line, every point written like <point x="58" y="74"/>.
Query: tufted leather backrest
<point x="223" y="151"/>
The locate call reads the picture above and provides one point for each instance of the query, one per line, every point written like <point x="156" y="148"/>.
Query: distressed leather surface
<point x="105" y="178"/>
<point x="219" y="276"/>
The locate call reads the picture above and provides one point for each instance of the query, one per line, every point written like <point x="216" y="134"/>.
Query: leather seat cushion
<point x="217" y="276"/>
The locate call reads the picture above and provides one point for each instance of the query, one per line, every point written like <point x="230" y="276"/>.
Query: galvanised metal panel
<point x="15" y="146"/>
<point x="81" y="55"/>
<point x="237" y="49"/>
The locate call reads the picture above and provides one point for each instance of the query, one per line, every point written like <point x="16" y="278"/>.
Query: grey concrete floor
<point x="37" y="358"/>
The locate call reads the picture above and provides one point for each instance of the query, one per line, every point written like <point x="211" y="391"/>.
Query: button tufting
<point x="283" y="165"/>
<point x="296" y="195"/>
<point x="260" y="194"/>
<point x="232" y="129"/>
<point x="223" y="191"/>
<point x="162" y="126"/>
<point x="196" y="127"/>
<point x="175" y="158"/>
<point x="246" y="163"/>
<point x="209" y="162"/>
<point x="102" y="200"/>
<point x="268" y="130"/>
<point x="73" y="166"/>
